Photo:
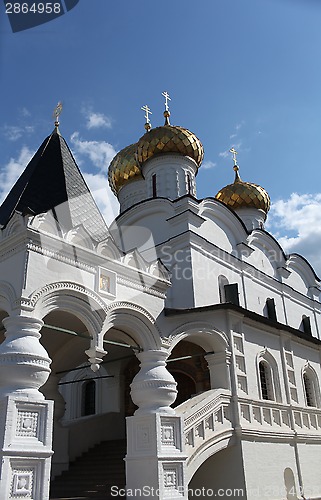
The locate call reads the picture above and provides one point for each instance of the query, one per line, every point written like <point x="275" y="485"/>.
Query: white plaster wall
<point x="310" y="459"/>
<point x="255" y="342"/>
<point x="264" y="465"/>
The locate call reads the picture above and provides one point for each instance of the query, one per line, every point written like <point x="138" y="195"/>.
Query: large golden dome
<point x="244" y="194"/>
<point x="169" y="139"/>
<point x="123" y="167"/>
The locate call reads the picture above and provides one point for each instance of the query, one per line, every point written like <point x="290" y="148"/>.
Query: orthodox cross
<point x="57" y="111"/>
<point x="167" y="98"/>
<point x="234" y="153"/>
<point x="147" y="112"/>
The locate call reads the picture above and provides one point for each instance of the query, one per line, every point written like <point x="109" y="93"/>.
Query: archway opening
<point x="189" y="368"/>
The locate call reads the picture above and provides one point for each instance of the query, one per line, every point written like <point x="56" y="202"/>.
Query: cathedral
<point x="174" y="354"/>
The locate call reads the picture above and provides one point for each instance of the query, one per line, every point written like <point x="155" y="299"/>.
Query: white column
<point x="26" y="418"/>
<point x="60" y="460"/>
<point x="218" y="365"/>
<point x="155" y="460"/>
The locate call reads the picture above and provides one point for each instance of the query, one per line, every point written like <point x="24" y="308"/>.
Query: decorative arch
<point x="307" y="281"/>
<point x="311" y="386"/>
<point x="271" y="250"/>
<point x="108" y="248"/>
<point x="79" y="236"/>
<point x="268" y="377"/>
<point x="211" y="339"/>
<point x="74" y="298"/>
<point x="222" y="216"/>
<point x="135" y="321"/>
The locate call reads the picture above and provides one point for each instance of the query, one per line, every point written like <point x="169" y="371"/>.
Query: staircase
<point x="93" y="474"/>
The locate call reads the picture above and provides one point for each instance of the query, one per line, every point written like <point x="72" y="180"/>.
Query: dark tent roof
<point x="53" y="181"/>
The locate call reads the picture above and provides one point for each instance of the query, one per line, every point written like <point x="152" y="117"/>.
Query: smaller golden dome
<point x="123" y="168"/>
<point x="244" y="194"/>
<point x="169" y="139"/>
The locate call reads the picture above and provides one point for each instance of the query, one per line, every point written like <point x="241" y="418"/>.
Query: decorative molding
<point x="54" y="254"/>
<point x="22" y="483"/>
<point x="63" y="286"/>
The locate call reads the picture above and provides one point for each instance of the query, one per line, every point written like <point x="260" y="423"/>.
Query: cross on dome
<point x="148" y="112"/>
<point x="234" y="153"/>
<point x="167" y="98"/>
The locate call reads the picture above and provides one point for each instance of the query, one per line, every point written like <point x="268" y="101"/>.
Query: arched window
<point x="311" y="387"/>
<point x="88" y="398"/>
<point x="266" y="381"/>
<point x="268" y="377"/>
<point x="222" y="281"/>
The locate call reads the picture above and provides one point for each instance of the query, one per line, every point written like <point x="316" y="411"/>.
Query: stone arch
<point x="134" y="322"/>
<point x="74" y="298"/>
<point x="216" y="347"/>
<point x="211" y="339"/>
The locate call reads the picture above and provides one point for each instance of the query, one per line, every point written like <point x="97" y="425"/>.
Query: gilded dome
<point x="169" y="139"/>
<point x="244" y="194"/>
<point x="123" y="167"/>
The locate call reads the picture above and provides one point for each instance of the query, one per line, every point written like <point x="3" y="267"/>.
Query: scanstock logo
<point x="26" y="14"/>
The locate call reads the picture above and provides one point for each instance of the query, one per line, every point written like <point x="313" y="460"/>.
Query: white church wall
<point x="310" y="469"/>
<point x="264" y="467"/>
<point x="12" y="270"/>
<point x="257" y="344"/>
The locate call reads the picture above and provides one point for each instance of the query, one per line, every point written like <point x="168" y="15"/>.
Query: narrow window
<point x="189" y="183"/>
<point x="232" y="294"/>
<point x="88" y="398"/>
<point x="306" y="325"/>
<point x="270" y="309"/>
<point x="265" y="381"/>
<point x="154" y="188"/>
<point x="309" y="390"/>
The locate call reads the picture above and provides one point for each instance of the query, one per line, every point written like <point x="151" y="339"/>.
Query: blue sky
<point x="242" y="73"/>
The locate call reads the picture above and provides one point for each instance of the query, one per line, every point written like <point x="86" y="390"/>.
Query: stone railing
<point x="207" y="424"/>
<point x="269" y="416"/>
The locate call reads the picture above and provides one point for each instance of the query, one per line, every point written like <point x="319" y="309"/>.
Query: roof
<point x="53" y="181"/>
<point x="246" y="313"/>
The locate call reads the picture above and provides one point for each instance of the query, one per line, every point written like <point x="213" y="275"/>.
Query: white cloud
<point x="96" y="120"/>
<point x="105" y="199"/>
<point x="239" y="125"/>
<point x="10" y="172"/>
<point x="299" y="217"/>
<point x="100" y="153"/>
<point x="14" y="132"/>
<point x="224" y="154"/>
<point x="208" y="164"/>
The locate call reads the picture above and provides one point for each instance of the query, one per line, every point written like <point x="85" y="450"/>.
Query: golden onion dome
<point x="244" y="194"/>
<point x="123" y="168"/>
<point x="169" y="139"/>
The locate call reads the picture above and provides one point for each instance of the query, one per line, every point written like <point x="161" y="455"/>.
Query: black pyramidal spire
<point x="53" y="181"/>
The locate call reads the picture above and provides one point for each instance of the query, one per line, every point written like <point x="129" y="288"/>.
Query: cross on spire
<point x="234" y="153"/>
<point x="167" y="98"/>
<point x="57" y="111"/>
